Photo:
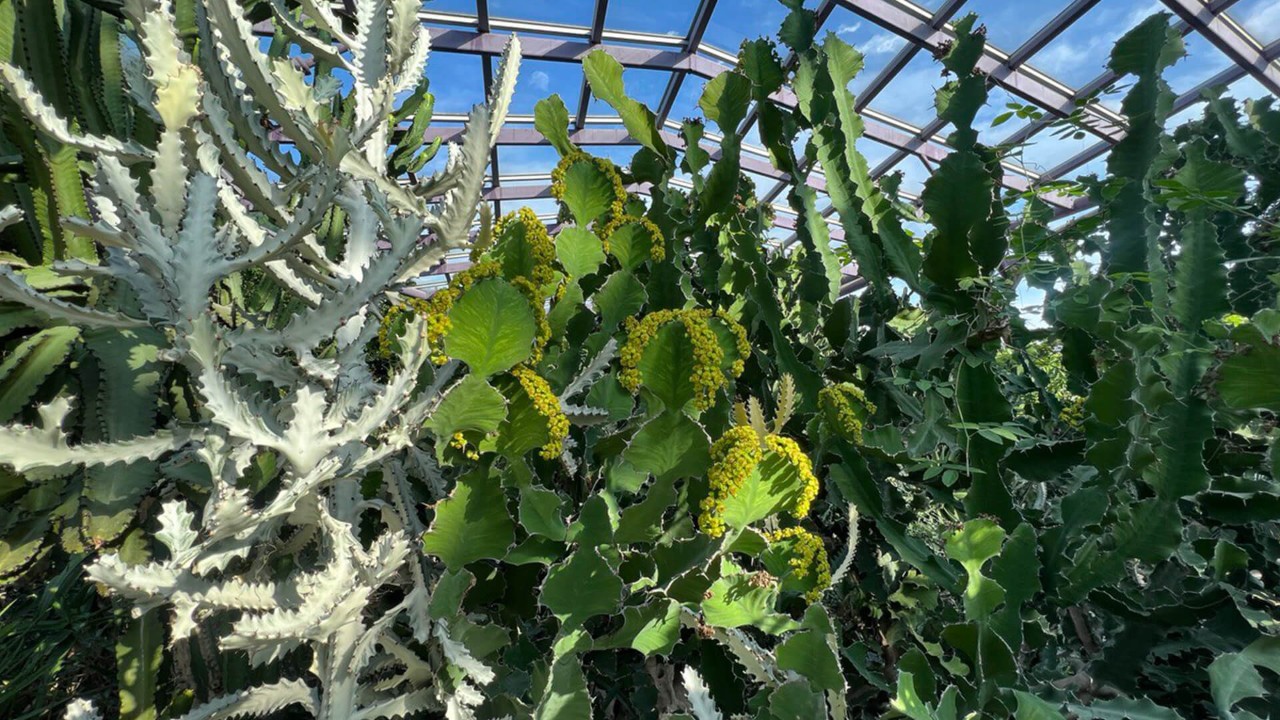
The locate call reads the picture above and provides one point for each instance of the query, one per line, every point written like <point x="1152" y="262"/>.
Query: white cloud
<point x="539" y="80"/>
<point x="881" y="43"/>
<point x="1263" y="20"/>
<point x="848" y="29"/>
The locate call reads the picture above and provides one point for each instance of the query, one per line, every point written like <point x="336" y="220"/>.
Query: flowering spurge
<point x="255" y="240"/>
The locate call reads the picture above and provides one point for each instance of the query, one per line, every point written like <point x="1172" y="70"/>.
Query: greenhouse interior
<point x="678" y="360"/>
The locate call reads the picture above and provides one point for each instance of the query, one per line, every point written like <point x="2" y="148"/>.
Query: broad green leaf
<point x="725" y="99"/>
<point x="1031" y="707"/>
<point x="587" y="191"/>
<point x="492" y="328"/>
<point x="579" y="251"/>
<point x="810" y="652"/>
<point x="773" y="487"/>
<point x="1250" y="379"/>
<point x="551" y="118"/>
<point x="581" y="587"/>
<point x="621" y="297"/>
<point x="471" y="524"/>
<point x="666" y="368"/>
<point x="669" y="446"/>
<point x="631" y="244"/>
<point x="653" y="629"/>
<point x="138" y="655"/>
<point x="540" y="513"/>
<point x="472" y="404"/>
<point x="972" y="546"/>
<point x="566" y="696"/>
<point x="734" y="601"/>
<point x="795" y="699"/>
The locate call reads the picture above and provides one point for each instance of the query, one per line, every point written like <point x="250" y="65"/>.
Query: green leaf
<point x="972" y="546"/>
<point x="621" y="297"/>
<point x="666" y="367"/>
<point x="811" y="654"/>
<point x="581" y="587"/>
<point x="669" y="446"/>
<point x="795" y="699"/>
<point x="653" y="629"/>
<point x="1250" y="379"/>
<point x="587" y="191"/>
<point x="630" y="243"/>
<point x="472" y="404"/>
<point x="773" y="487"/>
<point x="551" y="118"/>
<point x="27" y="366"/>
<point x="540" y="513"/>
<point x="492" y="328"/>
<point x="1232" y="678"/>
<point x="579" y="251"/>
<point x="566" y="696"/>
<point x="734" y="602"/>
<point x="604" y="74"/>
<point x="471" y="524"/>
<point x="1123" y="709"/>
<point x="725" y="99"/>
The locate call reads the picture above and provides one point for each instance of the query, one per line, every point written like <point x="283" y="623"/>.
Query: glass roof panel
<point x="877" y="45"/>
<point x="1080" y="53"/>
<point x="686" y="102"/>
<point x="736" y="20"/>
<point x="910" y="96"/>
<point x="563" y="12"/>
<point x="914" y="173"/>
<point x="1260" y="17"/>
<point x="458" y="81"/>
<point x="661" y="18"/>
<point x="1009" y="24"/>
<point x="541" y="78"/>
<point x="1202" y="62"/>
<point x="526" y="159"/>
<point x="455" y="6"/>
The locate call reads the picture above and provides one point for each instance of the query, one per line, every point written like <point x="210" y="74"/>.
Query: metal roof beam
<point x="1233" y="40"/>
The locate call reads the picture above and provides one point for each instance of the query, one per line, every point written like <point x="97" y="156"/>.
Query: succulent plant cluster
<point x="322" y="494"/>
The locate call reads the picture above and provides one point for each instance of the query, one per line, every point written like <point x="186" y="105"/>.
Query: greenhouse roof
<point x="1046" y="57"/>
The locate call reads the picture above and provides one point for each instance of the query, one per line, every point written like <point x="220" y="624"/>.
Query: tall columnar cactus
<point x="227" y="203"/>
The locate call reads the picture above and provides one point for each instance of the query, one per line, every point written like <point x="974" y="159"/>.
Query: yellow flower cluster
<point x="547" y="405"/>
<point x="809" y="558"/>
<point x="847" y="409"/>
<point x="733" y="458"/>
<point x="657" y="244"/>
<point x="790" y="451"/>
<point x="386" y="329"/>
<point x="543" y="335"/>
<point x="459" y="441"/>
<point x="707" y="353"/>
<point x="1073" y="412"/>
<point x="436" y="308"/>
